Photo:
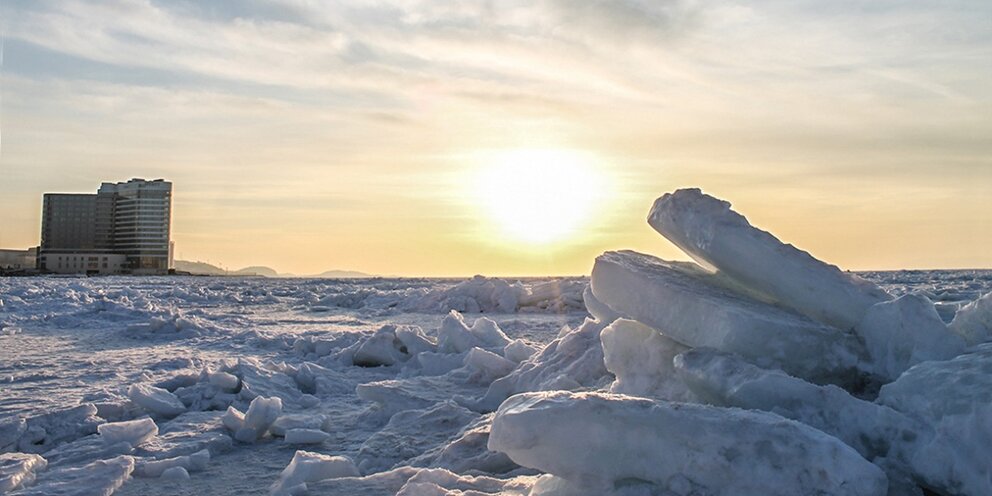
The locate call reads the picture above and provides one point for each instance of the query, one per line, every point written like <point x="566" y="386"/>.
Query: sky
<point x="454" y="138"/>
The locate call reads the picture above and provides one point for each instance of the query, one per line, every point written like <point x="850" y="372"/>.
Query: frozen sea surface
<point x="320" y="346"/>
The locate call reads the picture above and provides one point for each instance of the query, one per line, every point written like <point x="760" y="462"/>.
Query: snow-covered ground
<point x="673" y="385"/>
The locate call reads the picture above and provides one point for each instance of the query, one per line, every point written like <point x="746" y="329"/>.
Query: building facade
<point x="124" y="228"/>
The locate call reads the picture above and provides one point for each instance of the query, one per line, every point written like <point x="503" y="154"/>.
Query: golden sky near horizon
<point x="515" y="138"/>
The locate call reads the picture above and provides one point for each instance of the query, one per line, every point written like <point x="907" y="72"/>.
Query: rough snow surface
<point x="204" y="359"/>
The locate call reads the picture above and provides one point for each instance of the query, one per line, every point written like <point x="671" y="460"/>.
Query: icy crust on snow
<point x="711" y="233"/>
<point x="604" y="441"/>
<point x="696" y="310"/>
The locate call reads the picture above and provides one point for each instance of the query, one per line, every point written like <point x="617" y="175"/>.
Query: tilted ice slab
<point x="710" y="232"/>
<point x="307" y="466"/>
<point x="955" y="398"/>
<point x="604" y="440"/>
<point x="642" y="359"/>
<point x="689" y="305"/>
<point x="974" y="321"/>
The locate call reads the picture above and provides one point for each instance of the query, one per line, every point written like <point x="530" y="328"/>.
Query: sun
<point x="539" y="196"/>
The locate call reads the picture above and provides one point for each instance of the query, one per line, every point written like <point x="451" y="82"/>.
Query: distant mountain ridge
<point x="206" y="269"/>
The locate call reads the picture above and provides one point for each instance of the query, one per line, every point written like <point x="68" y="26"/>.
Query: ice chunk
<point x="485" y="366"/>
<point x="603" y="441"/>
<point x="156" y="400"/>
<point x="726" y="380"/>
<point x="410" y="433"/>
<point x="133" y="432"/>
<point x="306" y="436"/>
<point x="710" y="232"/>
<point x="572" y="361"/>
<point x="310" y="467"/>
<point x="599" y="310"/>
<point x="196" y="462"/>
<point x="906" y="331"/>
<point x="223" y="380"/>
<point x="689" y="305"/>
<point x="41" y="433"/>
<point x="233" y="419"/>
<point x="955" y="398"/>
<point x="469" y="451"/>
<point x="289" y="421"/>
<point x="641" y="359"/>
<point x="175" y="474"/>
<point x="974" y="321"/>
<point x="18" y="469"/>
<point x="455" y="336"/>
<point x="383" y="348"/>
<point x="262" y="412"/>
<point x="100" y="478"/>
<point x="518" y="350"/>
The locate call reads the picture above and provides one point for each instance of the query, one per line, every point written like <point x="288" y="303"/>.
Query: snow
<point x="700" y="311"/>
<point x="904" y="332"/>
<point x="133" y="432"/>
<point x="603" y="441"/>
<point x="648" y="381"/>
<point x="707" y="230"/>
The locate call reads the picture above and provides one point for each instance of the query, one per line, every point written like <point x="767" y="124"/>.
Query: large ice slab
<point x="604" y="440"/>
<point x="955" y="398"/>
<point x="156" y="400"/>
<point x="100" y="478"/>
<point x="307" y="466"/>
<point x="717" y="237"/>
<point x="692" y="307"/>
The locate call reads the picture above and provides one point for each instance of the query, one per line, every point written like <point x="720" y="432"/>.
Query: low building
<point x="90" y="263"/>
<point x="18" y="259"/>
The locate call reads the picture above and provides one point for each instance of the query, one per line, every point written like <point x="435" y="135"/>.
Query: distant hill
<point x="203" y="268"/>
<point x="258" y="270"/>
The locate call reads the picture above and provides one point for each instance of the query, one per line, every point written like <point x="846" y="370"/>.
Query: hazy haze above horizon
<point x="454" y="138"/>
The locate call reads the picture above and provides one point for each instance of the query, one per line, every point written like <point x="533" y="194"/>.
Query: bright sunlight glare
<point x="539" y="196"/>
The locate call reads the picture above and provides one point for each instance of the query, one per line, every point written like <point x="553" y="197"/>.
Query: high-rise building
<point x="124" y="228"/>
